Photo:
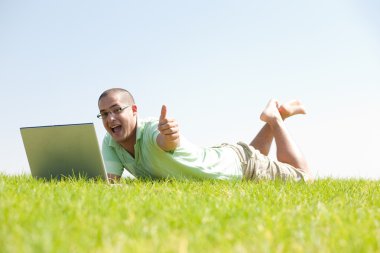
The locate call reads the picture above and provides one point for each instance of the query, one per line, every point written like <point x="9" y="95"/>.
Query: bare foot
<point x="291" y="108"/>
<point x="271" y="112"/>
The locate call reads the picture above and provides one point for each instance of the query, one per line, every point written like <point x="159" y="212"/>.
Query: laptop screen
<point x="62" y="151"/>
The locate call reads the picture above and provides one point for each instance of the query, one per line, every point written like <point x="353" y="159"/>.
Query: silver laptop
<point x="63" y="151"/>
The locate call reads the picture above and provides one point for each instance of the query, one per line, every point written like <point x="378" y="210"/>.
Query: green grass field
<point x="329" y="215"/>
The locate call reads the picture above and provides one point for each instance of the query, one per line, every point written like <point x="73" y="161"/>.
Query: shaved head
<point x="126" y="94"/>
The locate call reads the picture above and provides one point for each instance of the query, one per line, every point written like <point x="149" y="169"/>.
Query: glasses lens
<point x="102" y="115"/>
<point x="117" y="110"/>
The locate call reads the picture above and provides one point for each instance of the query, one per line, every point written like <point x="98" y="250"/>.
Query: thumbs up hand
<point x="163" y="113"/>
<point x="168" y="138"/>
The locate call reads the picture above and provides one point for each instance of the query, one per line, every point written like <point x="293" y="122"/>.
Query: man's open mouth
<point x="116" y="129"/>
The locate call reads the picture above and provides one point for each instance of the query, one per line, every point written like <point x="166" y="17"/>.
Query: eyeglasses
<point x="114" y="111"/>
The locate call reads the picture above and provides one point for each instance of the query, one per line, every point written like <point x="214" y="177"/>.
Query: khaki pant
<point x="257" y="166"/>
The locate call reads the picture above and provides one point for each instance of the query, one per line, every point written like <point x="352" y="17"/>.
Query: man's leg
<point x="287" y="150"/>
<point x="263" y="140"/>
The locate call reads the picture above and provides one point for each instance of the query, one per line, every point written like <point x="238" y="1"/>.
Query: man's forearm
<point x="167" y="143"/>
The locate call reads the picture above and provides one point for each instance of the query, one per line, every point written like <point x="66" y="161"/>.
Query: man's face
<point x="120" y="124"/>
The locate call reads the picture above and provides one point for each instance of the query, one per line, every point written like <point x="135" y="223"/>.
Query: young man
<point x="154" y="148"/>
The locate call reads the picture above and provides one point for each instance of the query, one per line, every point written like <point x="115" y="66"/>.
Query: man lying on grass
<point x="154" y="148"/>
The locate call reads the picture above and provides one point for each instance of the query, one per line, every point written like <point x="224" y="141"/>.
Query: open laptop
<point x="63" y="151"/>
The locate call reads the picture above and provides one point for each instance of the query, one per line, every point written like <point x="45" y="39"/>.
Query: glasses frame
<point x="115" y="111"/>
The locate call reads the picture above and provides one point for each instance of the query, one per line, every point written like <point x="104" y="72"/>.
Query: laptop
<point x="63" y="151"/>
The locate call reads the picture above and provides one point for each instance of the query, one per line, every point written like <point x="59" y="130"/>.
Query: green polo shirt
<point x="186" y="162"/>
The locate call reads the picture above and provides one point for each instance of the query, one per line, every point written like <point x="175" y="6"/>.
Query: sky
<point x="215" y="64"/>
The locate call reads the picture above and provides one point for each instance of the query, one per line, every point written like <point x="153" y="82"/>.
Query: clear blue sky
<point x="215" y="64"/>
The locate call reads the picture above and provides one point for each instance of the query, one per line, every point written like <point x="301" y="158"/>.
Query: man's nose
<point x="111" y="116"/>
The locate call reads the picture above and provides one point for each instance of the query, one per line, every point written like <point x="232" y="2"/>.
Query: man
<point x="154" y="148"/>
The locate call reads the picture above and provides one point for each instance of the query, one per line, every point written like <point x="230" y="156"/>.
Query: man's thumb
<point x="163" y="112"/>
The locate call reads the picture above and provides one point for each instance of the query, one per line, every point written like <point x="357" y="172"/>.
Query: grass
<point x="329" y="215"/>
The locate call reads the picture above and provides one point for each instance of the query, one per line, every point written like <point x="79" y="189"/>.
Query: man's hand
<point x="168" y="138"/>
<point x="113" y="179"/>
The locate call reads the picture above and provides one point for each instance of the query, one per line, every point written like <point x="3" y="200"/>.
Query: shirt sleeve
<point x="152" y="133"/>
<point x="111" y="160"/>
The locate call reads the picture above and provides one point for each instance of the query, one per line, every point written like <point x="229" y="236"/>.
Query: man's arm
<point x="114" y="167"/>
<point x="168" y="139"/>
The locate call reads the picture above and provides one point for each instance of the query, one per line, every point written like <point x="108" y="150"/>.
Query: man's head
<point x="119" y="115"/>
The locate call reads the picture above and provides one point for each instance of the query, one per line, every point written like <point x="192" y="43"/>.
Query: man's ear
<point x="134" y="109"/>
